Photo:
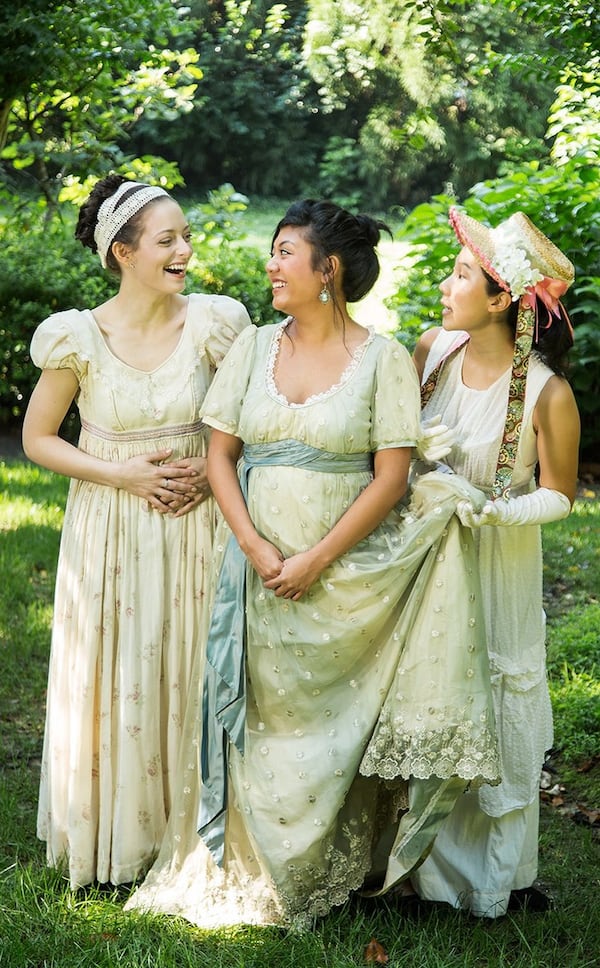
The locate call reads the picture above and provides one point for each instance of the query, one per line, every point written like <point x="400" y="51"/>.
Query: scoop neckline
<point x="345" y="377"/>
<point x="129" y="366"/>
<point x="466" y="386"/>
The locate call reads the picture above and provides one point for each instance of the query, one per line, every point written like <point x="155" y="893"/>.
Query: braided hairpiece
<point x="112" y="217"/>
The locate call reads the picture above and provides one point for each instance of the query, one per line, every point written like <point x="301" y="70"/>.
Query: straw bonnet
<point x="515" y="254"/>
<point x="535" y="272"/>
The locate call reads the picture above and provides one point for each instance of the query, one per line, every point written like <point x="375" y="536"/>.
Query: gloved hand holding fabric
<point x="539" y="507"/>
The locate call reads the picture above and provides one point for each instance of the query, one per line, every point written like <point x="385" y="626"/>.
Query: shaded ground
<point x="10" y="445"/>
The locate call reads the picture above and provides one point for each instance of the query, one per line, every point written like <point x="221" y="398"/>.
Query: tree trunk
<point x="5" y="107"/>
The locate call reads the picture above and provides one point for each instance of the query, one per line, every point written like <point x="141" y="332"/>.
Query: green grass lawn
<point x="45" y="925"/>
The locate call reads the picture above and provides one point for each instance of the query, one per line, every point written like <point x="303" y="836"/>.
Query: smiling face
<point x="163" y="249"/>
<point x="295" y="281"/>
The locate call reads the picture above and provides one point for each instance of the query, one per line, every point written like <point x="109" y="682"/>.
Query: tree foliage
<point x="76" y="77"/>
<point x="253" y="118"/>
<point x="422" y="92"/>
<point x="376" y="102"/>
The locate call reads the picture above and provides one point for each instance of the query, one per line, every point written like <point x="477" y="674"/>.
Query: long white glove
<point x="539" y="507"/>
<point x="436" y="440"/>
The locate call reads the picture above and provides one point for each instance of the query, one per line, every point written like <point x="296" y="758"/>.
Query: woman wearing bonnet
<point x="132" y="587"/>
<point x="494" y="373"/>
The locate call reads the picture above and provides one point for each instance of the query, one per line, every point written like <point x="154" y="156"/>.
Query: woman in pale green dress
<point x="333" y="673"/>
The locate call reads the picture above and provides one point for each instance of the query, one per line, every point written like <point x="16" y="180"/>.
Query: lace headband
<point x="111" y="218"/>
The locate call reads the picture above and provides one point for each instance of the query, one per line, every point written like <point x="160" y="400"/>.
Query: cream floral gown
<point x="130" y="602"/>
<point x="378" y="674"/>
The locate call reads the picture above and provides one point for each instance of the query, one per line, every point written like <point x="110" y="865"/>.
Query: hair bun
<point x="88" y="213"/>
<point x="370" y="228"/>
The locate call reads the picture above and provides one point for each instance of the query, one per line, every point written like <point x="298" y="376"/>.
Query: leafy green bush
<point x="45" y="270"/>
<point x="564" y="202"/>
<point x="221" y="262"/>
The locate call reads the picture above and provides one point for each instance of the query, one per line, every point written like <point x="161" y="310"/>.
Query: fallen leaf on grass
<point x="376" y="952"/>
<point x="588" y="765"/>
<point x="587" y="817"/>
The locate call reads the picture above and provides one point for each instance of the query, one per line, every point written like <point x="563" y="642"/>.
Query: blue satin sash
<point x="224" y="694"/>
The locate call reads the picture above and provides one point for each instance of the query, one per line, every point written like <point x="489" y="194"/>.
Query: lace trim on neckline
<point x="355" y="360"/>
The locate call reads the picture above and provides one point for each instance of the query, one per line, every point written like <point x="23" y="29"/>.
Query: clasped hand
<point x="296" y="576"/>
<point x="285" y="577"/>
<point x="174" y="487"/>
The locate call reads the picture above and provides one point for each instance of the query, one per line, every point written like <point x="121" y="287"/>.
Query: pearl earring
<point x="324" y="295"/>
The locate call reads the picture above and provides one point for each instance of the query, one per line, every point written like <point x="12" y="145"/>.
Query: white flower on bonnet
<point x="520" y="258"/>
<point x="512" y="262"/>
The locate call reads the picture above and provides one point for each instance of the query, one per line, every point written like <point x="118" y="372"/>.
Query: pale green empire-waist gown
<point x="377" y="674"/>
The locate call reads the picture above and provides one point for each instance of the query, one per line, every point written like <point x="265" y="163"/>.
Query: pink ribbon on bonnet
<point x="549" y="291"/>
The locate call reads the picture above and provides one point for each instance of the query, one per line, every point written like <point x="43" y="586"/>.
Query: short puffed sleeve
<point x="56" y="343"/>
<point x="223" y="403"/>
<point x="226" y="318"/>
<point x="396" y="406"/>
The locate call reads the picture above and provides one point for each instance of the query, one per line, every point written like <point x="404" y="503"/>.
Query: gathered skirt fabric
<point x="348" y="700"/>
<point x="128" y="620"/>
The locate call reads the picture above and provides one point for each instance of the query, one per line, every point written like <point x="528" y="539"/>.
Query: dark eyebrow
<point x="171" y="230"/>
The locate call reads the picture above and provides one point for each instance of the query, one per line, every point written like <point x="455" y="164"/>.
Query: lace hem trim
<point x="454" y="751"/>
<point x="346" y="376"/>
<point x="320" y="888"/>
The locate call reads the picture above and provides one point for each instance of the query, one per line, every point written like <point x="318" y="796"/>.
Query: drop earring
<point x="324" y="295"/>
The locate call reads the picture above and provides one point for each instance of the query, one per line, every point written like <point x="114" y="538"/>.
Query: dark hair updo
<point x="551" y="342"/>
<point x="331" y="230"/>
<point x="88" y="217"/>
